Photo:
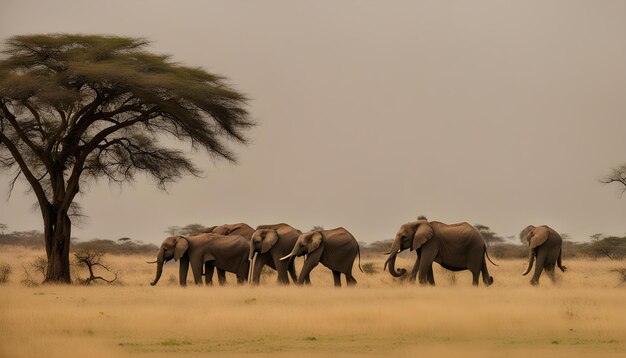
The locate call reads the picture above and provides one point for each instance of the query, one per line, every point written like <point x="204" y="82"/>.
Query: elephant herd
<point x="244" y="251"/>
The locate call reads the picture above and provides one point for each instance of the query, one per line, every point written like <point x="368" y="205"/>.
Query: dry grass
<point x="584" y="314"/>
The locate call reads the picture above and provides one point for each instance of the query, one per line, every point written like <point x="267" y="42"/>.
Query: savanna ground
<point x="584" y="314"/>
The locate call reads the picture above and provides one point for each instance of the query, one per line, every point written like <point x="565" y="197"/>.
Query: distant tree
<point x="187" y="230"/>
<point x="78" y="108"/>
<point x="3" y="228"/>
<point x="422" y="217"/>
<point x="565" y="236"/>
<point x="596" y="237"/>
<point x="124" y="240"/>
<point x="617" y="175"/>
<point x="490" y="237"/>
<point x="611" y="247"/>
<point x="317" y="228"/>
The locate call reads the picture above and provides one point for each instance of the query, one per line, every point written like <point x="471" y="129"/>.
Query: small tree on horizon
<point x="617" y="175"/>
<point x="491" y="238"/>
<point x="78" y="108"/>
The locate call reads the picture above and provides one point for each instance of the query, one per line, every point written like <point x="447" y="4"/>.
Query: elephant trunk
<point x="159" y="271"/>
<point x="391" y="261"/>
<point x="531" y="260"/>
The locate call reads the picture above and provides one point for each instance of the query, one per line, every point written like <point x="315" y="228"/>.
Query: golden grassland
<point x="584" y="314"/>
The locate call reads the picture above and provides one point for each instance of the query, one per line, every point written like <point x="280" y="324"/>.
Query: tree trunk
<point x="57" y="235"/>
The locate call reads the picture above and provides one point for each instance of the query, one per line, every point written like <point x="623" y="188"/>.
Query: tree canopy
<point x="75" y="108"/>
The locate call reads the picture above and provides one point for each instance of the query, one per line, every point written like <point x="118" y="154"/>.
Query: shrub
<point x="28" y="278"/>
<point x="5" y="272"/>
<point x="369" y="268"/>
<point x="622" y="274"/>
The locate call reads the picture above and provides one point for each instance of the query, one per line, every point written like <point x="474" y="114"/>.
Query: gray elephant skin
<point x="241" y="229"/>
<point x="455" y="247"/>
<point x="335" y="249"/>
<point x="228" y="253"/>
<point x="546" y="245"/>
<point x="268" y="244"/>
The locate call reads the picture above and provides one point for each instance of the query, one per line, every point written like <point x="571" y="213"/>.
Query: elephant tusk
<point x="151" y="262"/>
<point x="285" y="257"/>
<point x="251" y="267"/>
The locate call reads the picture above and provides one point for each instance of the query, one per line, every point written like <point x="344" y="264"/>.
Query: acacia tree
<point x="618" y="175"/>
<point x="75" y="108"/>
<point x="491" y="238"/>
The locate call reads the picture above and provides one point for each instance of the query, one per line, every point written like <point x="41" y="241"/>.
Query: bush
<point x="5" y="272"/>
<point x="369" y="268"/>
<point x="622" y="274"/>
<point x="28" y="279"/>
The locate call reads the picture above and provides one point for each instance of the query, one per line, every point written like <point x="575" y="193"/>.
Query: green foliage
<point x="75" y="108"/>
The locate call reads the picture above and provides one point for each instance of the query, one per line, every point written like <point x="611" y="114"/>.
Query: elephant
<point x="268" y="244"/>
<point x="545" y="244"/>
<point x="455" y="247"/>
<point x="228" y="253"/>
<point x="242" y="229"/>
<point x="335" y="249"/>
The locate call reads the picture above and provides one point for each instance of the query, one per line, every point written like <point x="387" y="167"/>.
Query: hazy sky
<point x="504" y="113"/>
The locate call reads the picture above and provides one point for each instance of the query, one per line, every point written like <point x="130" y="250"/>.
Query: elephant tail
<point x="558" y="261"/>
<point x="489" y="258"/>
<point x="358" y="250"/>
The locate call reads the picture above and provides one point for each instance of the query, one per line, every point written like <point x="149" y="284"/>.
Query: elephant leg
<point x="309" y="264"/>
<point x="292" y="271"/>
<point x="196" y="269"/>
<point x="240" y="279"/>
<point x="307" y="280"/>
<point x="183" y="269"/>
<point x="415" y="269"/>
<point x="221" y="276"/>
<point x="259" y="262"/>
<point x="351" y="281"/>
<point x="550" y="272"/>
<point x="208" y="273"/>
<point x="475" y="277"/>
<point x="431" y="277"/>
<point x="337" y="278"/>
<point x="541" y="260"/>
<point x="282" y="269"/>
<point x="426" y="266"/>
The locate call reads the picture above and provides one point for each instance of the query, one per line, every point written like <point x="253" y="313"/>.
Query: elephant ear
<point x="423" y="233"/>
<point x="315" y="242"/>
<point x="179" y="249"/>
<point x="271" y="238"/>
<point x="538" y="236"/>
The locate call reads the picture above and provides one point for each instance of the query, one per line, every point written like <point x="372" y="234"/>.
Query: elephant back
<point x="458" y="235"/>
<point x="241" y="229"/>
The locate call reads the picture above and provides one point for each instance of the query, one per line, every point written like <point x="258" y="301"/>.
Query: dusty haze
<point x="370" y="113"/>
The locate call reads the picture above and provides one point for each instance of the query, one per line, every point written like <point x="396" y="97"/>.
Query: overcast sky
<point x="504" y="113"/>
